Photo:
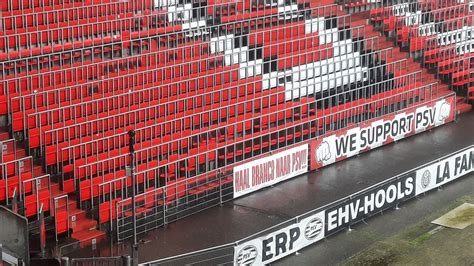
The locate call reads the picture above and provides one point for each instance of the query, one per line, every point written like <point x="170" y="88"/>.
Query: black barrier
<point x="372" y="201"/>
<point x="272" y="244"/>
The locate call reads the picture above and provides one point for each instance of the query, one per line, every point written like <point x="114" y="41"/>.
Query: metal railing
<point x="9" y="258"/>
<point x="173" y="201"/>
<point x="224" y="254"/>
<point x="97" y="261"/>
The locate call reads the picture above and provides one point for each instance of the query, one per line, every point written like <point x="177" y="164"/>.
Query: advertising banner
<point x="370" y="202"/>
<point x="444" y="171"/>
<point x="274" y="246"/>
<point x="384" y="130"/>
<point x="270" y="170"/>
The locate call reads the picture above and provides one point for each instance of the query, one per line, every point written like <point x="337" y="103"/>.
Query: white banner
<point x="281" y="243"/>
<point x="444" y="171"/>
<point x="270" y="170"/>
<point x="380" y="132"/>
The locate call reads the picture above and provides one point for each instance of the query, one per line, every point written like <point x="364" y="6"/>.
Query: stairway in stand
<point x="363" y="19"/>
<point x="82" y="229"/>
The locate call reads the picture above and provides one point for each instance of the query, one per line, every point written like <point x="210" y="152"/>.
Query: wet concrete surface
<point x="400" y="237"/>
<point x="388" y="238"/>
<point x="265" y="208"/>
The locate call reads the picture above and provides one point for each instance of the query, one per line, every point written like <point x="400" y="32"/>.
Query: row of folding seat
<point x="89" y="69"/>
<point x="151" y="154"/>
<point x="14" y="109"/>
<point x="68" y="45"/>
<point x="12" y="5"/>
<point x="34" y="80"/>
<point x="361" y="4"/>
<point x="169" y="134"/>
<point x="50" y="152"/>
<point x="97" y="70"/>
<point x="71" y="30"/>
<point x="33" y="122"/>
<point x="88" y="106"/>
<point x="454" y="11"/>
<point x="328" y="112"/>
<point x="98" y="172"/>
<point x="248" y="134"/>
<point x="190" y="184"/>
<point x="15" y="173"/>
<point x="99" y="25"/>
<point x="154" y="198"/>
<point x="27" y="18"/>
<point x="155" y="31"/>
<point x="12" y="84"/>
<point x="18" y="63"/>
<point x="8" y="69"/>
<point x="454" y="64"/>
<point x="60" y="78"/>
<point x="228" y="8"/>
<point x="118" y="119"/>
<point x="100" y="66"/>
<point x="463" y="77"/>
<point x="9" y="5"/>
<point x="442" y="34"/>
<point x="135" y="81"/>
<point x="259" y="100"/>
<point x="225" y="92"/>
<point x="221" y="8"/>
<point x="447" y="19"/>
<point x="415" y="13"/>
<point x="434" y="5"/>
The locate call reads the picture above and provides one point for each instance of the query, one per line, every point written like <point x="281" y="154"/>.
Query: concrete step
<point x="88" y="238"/>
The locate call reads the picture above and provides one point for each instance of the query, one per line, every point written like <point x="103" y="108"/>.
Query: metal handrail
<point x="112" y="261"/>
<point x="299" y="217"/>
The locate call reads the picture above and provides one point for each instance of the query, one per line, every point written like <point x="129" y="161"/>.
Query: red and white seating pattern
<point x="205" y="85"/>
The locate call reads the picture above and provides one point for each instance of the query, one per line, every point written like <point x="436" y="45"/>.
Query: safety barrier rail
<point x="9" y="258"/>
<point x="61" y="216"/>
<point x="103" y="261"/>
<point x="323" y="221"/>
<point x="158" y="206"/>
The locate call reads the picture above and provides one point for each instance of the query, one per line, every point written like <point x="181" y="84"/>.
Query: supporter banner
<point x="281" y="243"/>
<point x="370" y="202"/>
<point x="444" y="171"/>
<point x="372" y="134"/>
<point x="270" y="170"/>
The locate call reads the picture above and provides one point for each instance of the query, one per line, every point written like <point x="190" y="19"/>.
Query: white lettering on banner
<point x="378" y="132"/>
<point x="369" y="203"/>
<point x="284" y="242"/>
<point x="270" y="170"/>
<point x="447" y="170"/>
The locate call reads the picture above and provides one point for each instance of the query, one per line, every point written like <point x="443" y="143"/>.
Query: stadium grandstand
<point x="119" y="117"/>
